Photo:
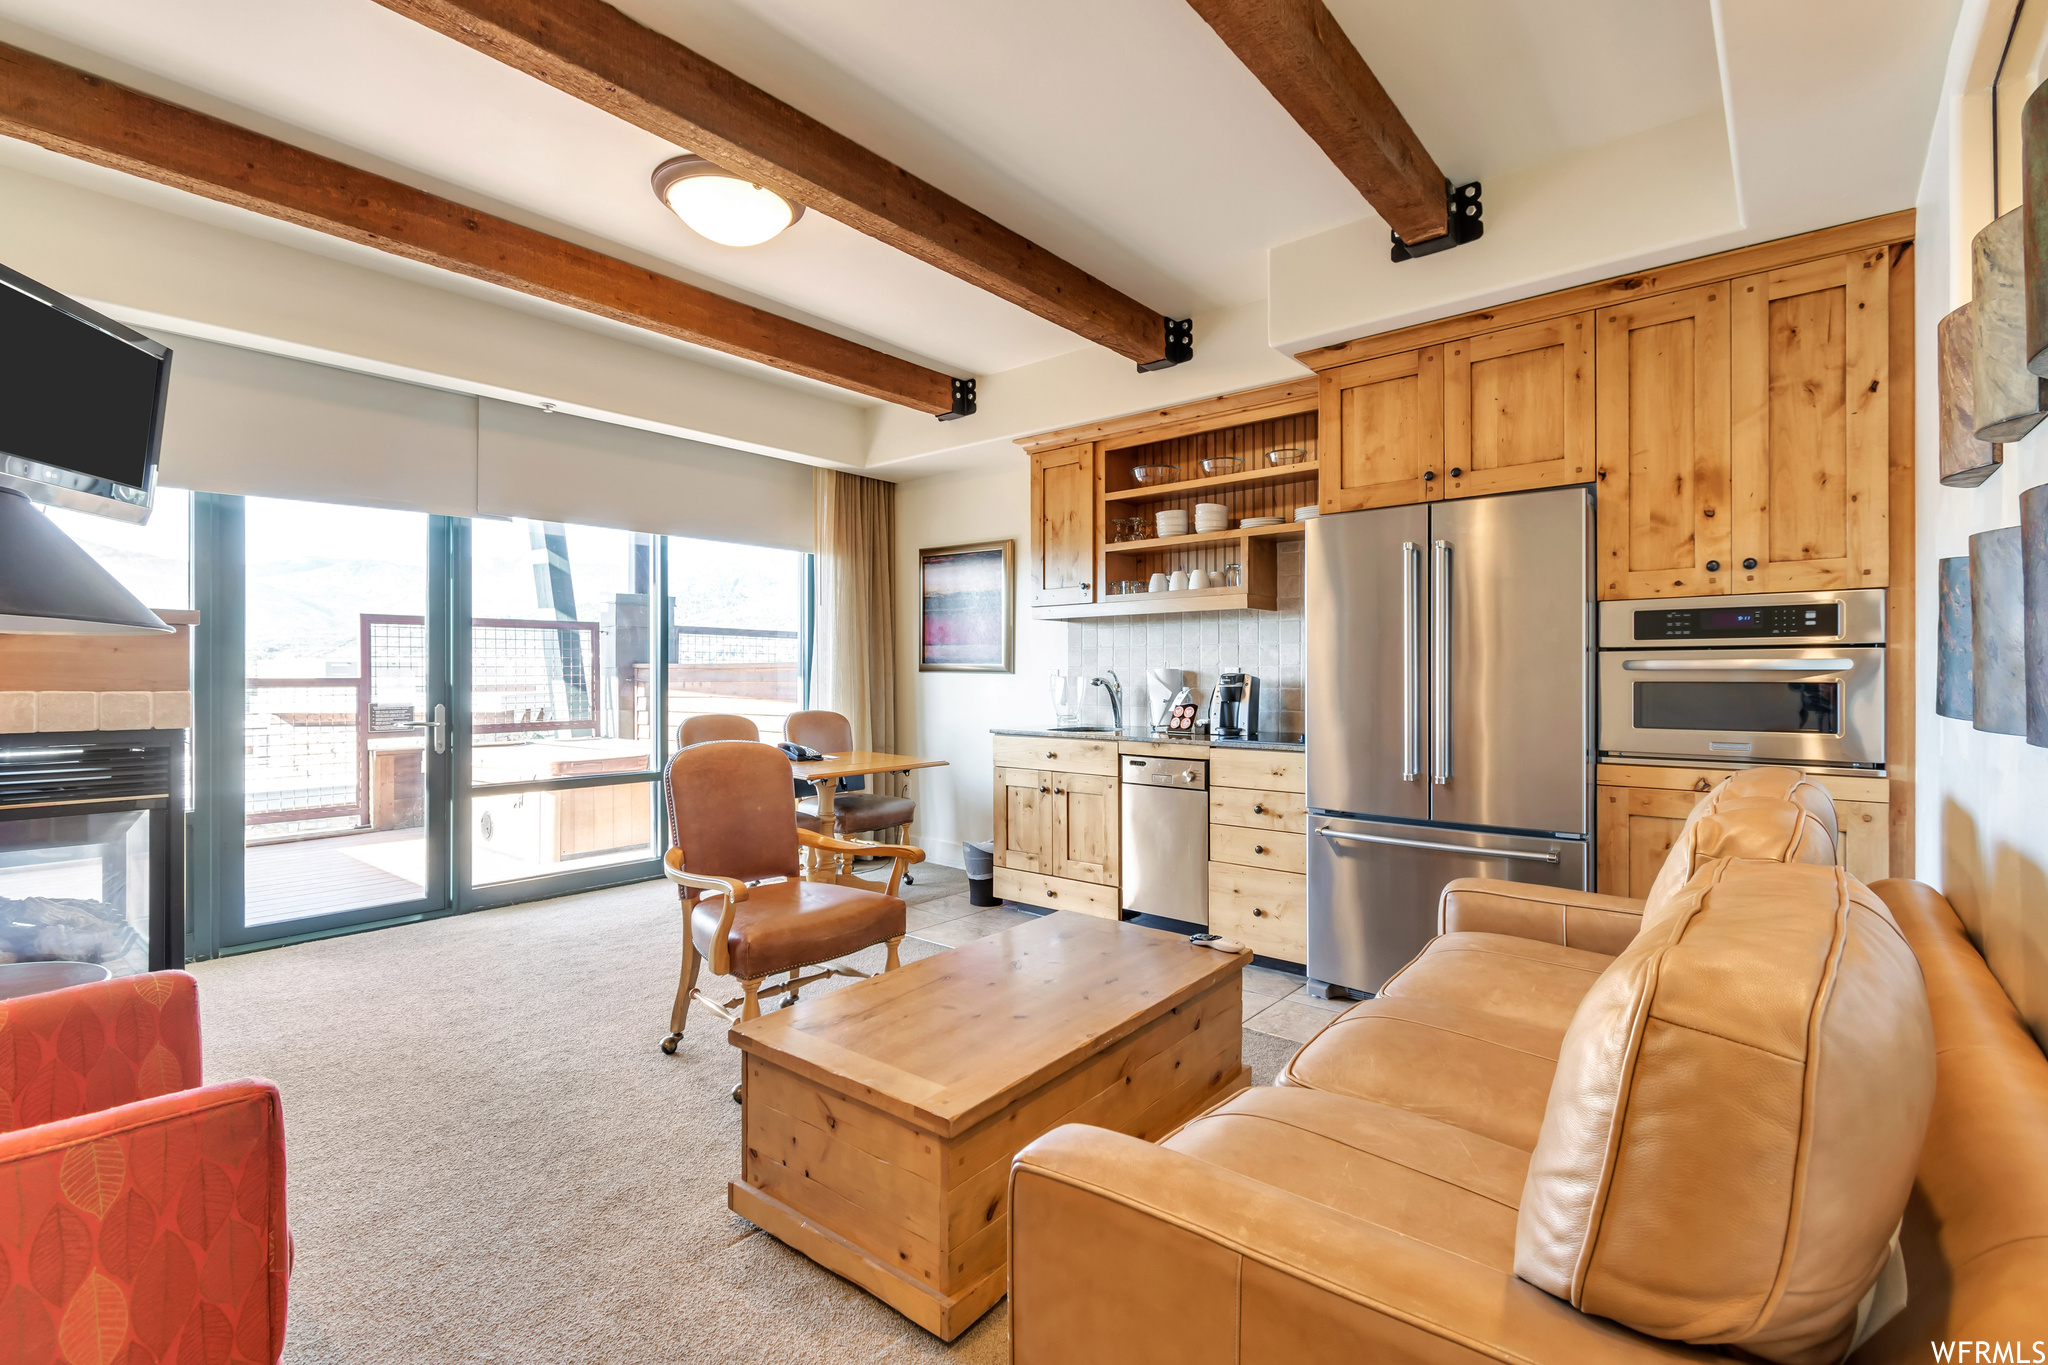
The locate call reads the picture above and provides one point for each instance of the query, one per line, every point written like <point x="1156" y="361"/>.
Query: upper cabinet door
<point x="1063" y="496"/>
<point x="1382" y="431"/>
<point x="1665" y="528"/>
<point x="1810" y="403"/>
<point x="1518" y="408"/>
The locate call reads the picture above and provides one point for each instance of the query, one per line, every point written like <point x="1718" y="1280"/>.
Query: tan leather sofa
<point x="1586" y="1128"/>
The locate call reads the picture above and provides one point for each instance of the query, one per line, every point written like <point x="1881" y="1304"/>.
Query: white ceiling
<point x="1123" y="136"/>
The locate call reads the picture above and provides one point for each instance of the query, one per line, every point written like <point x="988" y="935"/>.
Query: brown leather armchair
<point x="734" y="863"/>
<point x="704" y="729"/>
<point x="853" y="812"/>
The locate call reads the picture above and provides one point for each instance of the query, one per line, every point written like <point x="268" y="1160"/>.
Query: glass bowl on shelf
<point x="1223" y="464"/>
<point x="1147" y="475"/>
<point x="1285" y="455"/>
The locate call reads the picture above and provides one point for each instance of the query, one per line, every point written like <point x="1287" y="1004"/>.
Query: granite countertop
<point x="1147" y="736"/>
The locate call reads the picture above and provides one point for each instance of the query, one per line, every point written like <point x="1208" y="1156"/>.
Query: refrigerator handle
<point x="1440" y="664"/>
<point x="1411" y="650"/>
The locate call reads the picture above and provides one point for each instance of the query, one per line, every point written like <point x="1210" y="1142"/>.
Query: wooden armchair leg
<point x="684" y="989"/>
<point x="894" y="962"/>
<point x="751" y="1007"/>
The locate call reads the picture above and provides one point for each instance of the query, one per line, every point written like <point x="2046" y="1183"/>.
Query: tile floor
<point x="1275" y="1002"/>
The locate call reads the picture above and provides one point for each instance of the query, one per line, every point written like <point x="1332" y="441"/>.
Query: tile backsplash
<point x="1266" y="644"/>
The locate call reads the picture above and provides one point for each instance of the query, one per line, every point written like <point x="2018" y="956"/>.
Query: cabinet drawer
<point x="1057" y="893"/>
<point x="1267" y="910"/>
<point x="1265" y="769"/>
<point x="1248" y="808"/>
<point x="1283" y="852"/>
<point x="1095" y="756"/>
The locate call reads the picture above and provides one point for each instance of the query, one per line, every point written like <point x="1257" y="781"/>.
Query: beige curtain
<point x="853" y="633"/>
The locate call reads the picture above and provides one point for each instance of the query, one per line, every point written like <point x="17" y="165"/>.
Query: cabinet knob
<point x="1052" y="753"/>
<point x="1059" y="791"/>
<point x="1713" y="566"/>
<point x="1258" y="912"/>
<point x="1043" y="790"/>
<point x="1702" y="785"/>
<point x="1258" y="809"/>
<point x="1749" y="563"/>
<point x="1084" y="586"/>
<point x="1258" y="848"/>
<point x="1429" y="476"/>
<point x="1051" y="894"/>
<point x="1457" y="473"/>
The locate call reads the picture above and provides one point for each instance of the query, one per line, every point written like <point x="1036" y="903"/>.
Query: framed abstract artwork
<point x="967" y="608"/>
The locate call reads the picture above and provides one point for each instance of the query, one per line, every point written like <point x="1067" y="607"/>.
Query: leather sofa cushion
<point x="1736" y="1115"/>
<point x="788" y="924"/>
<point x="1518" y="979"/>
<point x="1745" y="817"/>
<point x="1444" y="1061"/>
<point x="1402" y="1171"/>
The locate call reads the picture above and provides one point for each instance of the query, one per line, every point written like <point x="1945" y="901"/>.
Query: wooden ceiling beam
<point x="1301" y="55"/>
<point x="590" y="50"/>
<point x="80" y="115"/>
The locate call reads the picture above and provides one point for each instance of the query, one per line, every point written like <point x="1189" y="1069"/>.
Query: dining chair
<point x="854" y="810"/>
<point x="734" y="861"/>
<point x="703" y="729"/>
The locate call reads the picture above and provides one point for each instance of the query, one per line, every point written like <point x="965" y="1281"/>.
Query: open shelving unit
<point x="1257" y="490"/>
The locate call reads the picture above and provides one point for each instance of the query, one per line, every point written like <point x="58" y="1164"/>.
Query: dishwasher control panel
<point x="1188" y="774"/>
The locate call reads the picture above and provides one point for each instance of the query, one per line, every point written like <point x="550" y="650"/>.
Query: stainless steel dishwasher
<point x="1166" y="837"/>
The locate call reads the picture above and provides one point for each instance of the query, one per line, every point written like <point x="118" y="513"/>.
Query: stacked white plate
<point x="1172" y="522"/>
<point x="1212" y="516"/>
<point x="1250" y="522"/>
<point x="1307" y="513"/>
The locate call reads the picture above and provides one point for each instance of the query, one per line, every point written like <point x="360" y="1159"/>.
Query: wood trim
<point x="1901" y="616"/>
<point x="1306" y="61"/>
<point x="1183" y="419"/>
<point x="1649" y="776"/>
<point x="590" y="50"/>
<point x="1887" y="230"/>
<point x="79" y="115"/>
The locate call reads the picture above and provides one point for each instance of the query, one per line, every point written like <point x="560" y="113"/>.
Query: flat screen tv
<point x="81" y="403"/>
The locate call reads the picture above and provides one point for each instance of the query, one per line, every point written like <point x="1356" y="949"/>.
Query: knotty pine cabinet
<point x="1063" y="525"/>
<point x="1518" y="408"/>
<point x="1057" y="831"/>
<point x="1639" y="810"/>
<point x="1385" y="419"/>
<point x="1258" y="850"/>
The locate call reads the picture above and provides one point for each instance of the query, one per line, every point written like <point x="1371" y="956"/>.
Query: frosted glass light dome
<point x="716" y="204"/>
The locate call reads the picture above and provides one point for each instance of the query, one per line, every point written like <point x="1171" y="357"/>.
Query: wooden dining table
<point x="825" y="775"/>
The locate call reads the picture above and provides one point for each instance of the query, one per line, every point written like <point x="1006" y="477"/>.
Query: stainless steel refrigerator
<point x="1449" y="679"/>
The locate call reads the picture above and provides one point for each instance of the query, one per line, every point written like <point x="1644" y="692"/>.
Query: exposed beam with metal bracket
<point x="591" y="50"/>
<point x="1304" y="58"/>
<point x="80" y="115"/>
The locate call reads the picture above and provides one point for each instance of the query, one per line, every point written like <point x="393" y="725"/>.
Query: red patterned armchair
<point x="141" y="1213"/>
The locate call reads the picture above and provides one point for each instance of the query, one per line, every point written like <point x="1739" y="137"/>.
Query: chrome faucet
<point x="1108" y="681"/>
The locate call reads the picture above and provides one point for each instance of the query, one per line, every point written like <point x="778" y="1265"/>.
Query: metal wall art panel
<point x="2007" y="398"/>
<point x="1965" y="460"/>
<point x="2034" y="565"/>
<point x="1952" y="661"/>
<point x="2034" y="184"/>
<point x="1998" y="632"/>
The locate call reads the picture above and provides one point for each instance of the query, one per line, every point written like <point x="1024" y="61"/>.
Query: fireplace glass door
<point x="77" y="888"/>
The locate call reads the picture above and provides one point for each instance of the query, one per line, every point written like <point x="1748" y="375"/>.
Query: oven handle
<point x="1739" y="665"/>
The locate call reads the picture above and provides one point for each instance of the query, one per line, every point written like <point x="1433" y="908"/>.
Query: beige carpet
<point x="490" y="1159"/>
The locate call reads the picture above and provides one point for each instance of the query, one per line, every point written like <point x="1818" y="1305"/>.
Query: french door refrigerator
<point x="1449" y="680"/>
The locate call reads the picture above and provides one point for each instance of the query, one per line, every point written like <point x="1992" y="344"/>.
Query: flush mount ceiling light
<point x="715" y="203"/>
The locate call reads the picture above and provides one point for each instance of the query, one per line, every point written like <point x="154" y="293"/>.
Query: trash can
<point x="981" y="872"/>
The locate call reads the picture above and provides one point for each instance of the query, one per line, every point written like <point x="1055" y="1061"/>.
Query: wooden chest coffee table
<point x="880" y="1118"/>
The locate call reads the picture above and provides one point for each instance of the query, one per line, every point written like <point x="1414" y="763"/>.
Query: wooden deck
<point x="308" y="877"/>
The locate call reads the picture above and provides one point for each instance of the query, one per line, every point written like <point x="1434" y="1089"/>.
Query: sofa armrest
<point x="176" y="1207"/>
<point x="87" y="1048"/>
<point x="1122" y="1251"/>
<point x="1548" y="914"/>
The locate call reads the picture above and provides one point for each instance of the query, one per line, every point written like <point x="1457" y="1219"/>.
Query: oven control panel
<point x="1758" y="621"/>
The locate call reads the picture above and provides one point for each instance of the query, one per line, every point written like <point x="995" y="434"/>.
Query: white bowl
<point x="1249" y="522"/>
<point x="1307" y="513"/>
<point x="1220" y="509"/>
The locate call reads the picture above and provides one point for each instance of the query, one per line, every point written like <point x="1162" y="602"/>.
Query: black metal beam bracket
<point x="1467" y="218"/>
<point x="963" y="401"/>
<point x="1180" y="346"/>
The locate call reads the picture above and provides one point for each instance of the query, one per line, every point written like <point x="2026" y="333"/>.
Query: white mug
<point x="1198" y="578"/>
<point x="1157" y="582"/>
<point x="1180" y="580"/>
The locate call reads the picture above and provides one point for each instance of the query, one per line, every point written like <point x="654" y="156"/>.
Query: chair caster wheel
<point x="668" y="1044"/>
<point x="736" y="1093"/>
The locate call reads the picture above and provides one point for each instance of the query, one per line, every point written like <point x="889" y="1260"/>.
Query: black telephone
<point x="799" y="753"/>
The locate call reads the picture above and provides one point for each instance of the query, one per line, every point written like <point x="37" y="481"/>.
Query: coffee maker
<point x="1234" y="706"/>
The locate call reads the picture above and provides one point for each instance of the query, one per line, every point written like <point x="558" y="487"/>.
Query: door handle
<point x="1511" y="854"/>
<point x="1440" y="681"/>
<point x="438" y="726"/>
<point x="1411" y="568"/>
<point x="1739" y="665"/>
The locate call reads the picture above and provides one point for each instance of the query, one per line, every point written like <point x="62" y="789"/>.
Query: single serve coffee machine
<point x="1234" y="706"/>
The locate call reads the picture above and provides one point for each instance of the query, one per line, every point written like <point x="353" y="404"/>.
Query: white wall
<point x="948" y="715"/>
<point x="1982" y="838"/>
